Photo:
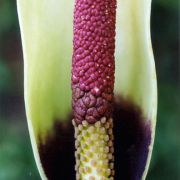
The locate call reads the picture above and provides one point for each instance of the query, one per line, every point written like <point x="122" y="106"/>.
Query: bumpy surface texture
<point x="94" y="150"/>
<point x="93" y="59"/>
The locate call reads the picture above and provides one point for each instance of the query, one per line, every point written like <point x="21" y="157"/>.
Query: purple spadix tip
<point x="93" y="63"/>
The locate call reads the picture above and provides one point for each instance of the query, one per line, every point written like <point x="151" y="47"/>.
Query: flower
<point x="47" y="35"/>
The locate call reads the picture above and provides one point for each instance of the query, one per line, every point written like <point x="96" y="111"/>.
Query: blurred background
<point x="16" y="158"/>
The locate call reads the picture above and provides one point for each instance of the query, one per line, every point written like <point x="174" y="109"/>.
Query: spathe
<point x="46" y="30"/>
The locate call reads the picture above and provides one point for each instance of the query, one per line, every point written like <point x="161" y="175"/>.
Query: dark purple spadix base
<point x="93" y="59"/>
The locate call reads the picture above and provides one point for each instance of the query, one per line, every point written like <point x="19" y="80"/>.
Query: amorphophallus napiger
<point x="93" y="68"/>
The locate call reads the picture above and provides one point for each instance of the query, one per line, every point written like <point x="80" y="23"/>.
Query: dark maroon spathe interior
<point x="132" y="139"/>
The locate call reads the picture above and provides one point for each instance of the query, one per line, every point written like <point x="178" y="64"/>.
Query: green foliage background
<point x="16" y="158"/>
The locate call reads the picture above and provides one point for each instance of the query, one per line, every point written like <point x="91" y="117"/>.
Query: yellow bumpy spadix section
<point x="94" y="150"/>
